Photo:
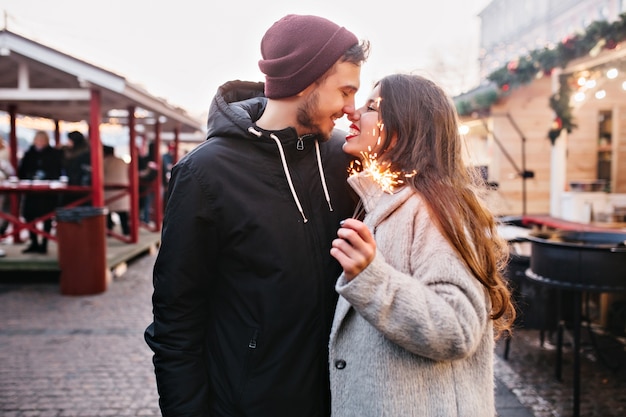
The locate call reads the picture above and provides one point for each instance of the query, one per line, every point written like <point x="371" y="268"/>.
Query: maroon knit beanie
<point x="299" y="49"/>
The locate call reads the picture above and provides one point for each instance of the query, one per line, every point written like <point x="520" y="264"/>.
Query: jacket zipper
<point x="252" y="343"/>
<point x="300" y="143"/>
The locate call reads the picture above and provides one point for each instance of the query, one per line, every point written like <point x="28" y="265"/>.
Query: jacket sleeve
<point x="181" y="279"/>
<point x="437" y="310"/>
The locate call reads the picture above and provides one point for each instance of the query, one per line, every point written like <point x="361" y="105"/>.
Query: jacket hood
<point x="235" y="108"/>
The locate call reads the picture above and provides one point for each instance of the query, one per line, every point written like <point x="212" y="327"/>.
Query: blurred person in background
<point x="6" y="171"/>
<point x="40" y="162"/>
<point x="116" y="174"/>
<point x="76" y="164"/>
<point x="167" y="165"/>
<point x="147" y="175"/>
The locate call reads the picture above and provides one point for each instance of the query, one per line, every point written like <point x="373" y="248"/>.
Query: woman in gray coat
<point x="421" y="293"/>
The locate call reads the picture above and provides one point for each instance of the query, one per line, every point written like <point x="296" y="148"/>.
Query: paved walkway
<point x="77" y="356"/>
<point x="85" y="356"/>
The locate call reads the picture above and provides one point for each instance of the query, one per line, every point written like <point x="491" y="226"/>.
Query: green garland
<point x="559" y="102"/>
<point x="599" y="35"/>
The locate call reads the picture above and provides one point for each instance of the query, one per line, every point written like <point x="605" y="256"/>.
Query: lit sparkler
<point x="380" y="172"/>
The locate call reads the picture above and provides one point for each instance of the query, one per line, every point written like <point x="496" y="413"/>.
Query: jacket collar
<point x="378" y="203"/>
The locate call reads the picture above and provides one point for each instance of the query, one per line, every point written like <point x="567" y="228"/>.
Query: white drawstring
<point x="255" y="132"/>
<point x="288" y="175"/>
<point x="322" y="177"/>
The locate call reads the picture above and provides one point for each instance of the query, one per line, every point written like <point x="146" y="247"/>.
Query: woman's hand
<point x="355" y="247"/>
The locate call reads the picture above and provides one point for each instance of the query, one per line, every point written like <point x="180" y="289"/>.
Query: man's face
<point x="329" y="100"/>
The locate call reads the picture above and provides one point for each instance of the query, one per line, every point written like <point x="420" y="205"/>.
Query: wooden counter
<point x="560" y="224"/>
<point x="18" y="188"/>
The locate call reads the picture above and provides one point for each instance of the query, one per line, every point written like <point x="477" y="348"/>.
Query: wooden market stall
<point x="39" y="81"/>
<point x="577" y="172"/>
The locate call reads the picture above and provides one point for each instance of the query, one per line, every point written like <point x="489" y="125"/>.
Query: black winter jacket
<point x="243" y="285"/>
<point x="42" y="164"/>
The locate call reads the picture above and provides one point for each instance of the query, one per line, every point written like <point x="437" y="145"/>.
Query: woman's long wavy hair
<point x="424" y="120"/>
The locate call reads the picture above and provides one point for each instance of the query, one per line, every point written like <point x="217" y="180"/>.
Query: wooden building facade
<point x="534" y="174"/>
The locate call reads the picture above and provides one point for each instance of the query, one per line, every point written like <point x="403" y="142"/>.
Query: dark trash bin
<point x="81" y="235"/>
<point x="536" y="304"/>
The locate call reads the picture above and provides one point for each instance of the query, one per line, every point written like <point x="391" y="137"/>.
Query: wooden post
<point x="15" y="200"/>
<point x="97" y="172"/>
<point x="133" y="177"/>
<point x="157" y="186"/>
<point x="558" y="158"/>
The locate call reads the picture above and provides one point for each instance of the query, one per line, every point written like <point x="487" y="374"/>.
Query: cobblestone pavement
<point x="85" y="356"/>
<point x="77" y="356"/>
<point x="530" y="373"/>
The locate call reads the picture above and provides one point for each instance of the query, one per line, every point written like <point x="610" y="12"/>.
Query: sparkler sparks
<point x="380" y="172"/>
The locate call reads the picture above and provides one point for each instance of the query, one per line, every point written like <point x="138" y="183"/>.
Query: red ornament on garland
<point x="570" y="42"/>
<point x="555" y="129"/>
<point x="512" y="66"/>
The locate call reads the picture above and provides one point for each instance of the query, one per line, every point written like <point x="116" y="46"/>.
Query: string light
<point x="586" y="81"/>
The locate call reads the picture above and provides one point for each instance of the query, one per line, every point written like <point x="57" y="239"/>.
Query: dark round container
<point x="593" y="261"/>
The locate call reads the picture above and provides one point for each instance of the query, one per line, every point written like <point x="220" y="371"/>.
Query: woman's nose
<point x="352" y="113"/>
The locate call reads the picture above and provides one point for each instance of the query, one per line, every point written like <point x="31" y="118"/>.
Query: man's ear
<point x="306" y="91"/>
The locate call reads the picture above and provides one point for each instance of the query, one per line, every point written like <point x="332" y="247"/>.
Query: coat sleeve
<point x="181" y="279"/>
<point x="437" y="310"/>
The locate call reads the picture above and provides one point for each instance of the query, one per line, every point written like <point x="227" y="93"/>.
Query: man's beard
<point x="306" y="116"/>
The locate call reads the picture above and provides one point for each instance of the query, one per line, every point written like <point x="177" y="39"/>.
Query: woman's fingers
<point x="355" y="247"/>
<point x="359" y="227"/>
<point x="359" y="236"/>
<point x="349" y="259"/>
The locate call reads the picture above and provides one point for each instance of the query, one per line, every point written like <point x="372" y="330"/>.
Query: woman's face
<point x="40" y="141"/>
<point x="366" y="131"/>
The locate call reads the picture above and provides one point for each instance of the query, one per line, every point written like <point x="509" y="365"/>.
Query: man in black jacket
<point x="244" y="282"/>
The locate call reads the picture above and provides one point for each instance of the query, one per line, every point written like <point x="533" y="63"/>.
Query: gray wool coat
<point x="411" y="334"/>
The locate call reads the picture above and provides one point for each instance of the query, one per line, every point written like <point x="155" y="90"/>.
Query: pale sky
<point x="182" y="50"/>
